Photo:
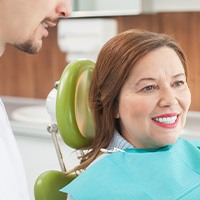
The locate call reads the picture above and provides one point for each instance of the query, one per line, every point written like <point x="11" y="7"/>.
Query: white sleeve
<point x="13" y="183"/>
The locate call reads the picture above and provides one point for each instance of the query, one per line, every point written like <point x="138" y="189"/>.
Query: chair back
<point x="74" y="122"/>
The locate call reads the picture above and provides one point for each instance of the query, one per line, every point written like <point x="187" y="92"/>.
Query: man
<point x="23" y="24"/>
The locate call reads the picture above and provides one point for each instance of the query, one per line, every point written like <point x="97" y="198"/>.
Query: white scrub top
<point x="13" y="185"/>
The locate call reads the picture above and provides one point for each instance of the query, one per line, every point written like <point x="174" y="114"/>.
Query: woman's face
<point x="154" y="100"/>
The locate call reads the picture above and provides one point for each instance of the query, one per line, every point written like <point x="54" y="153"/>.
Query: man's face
<point x="29" y="21"/>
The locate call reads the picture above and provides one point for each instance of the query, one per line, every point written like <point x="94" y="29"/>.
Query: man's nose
<point x="168" y="98"/>
<point x="64" y="9"/>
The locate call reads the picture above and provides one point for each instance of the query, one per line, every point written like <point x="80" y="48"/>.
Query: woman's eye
<point x="149" y="88"/>
<point x="178" y="83"/>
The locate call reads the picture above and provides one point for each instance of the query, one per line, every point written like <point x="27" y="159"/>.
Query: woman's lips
<point x="168" y="121"/>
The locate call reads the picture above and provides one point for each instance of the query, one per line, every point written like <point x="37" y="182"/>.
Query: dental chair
<point x="73" y="122"/>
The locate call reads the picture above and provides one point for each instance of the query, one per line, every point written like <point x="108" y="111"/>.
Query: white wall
<point x="98" y="5"/>
<point x="175" y="5"/>
<point x="118" y="4"/>
<point x="139" y="5"/>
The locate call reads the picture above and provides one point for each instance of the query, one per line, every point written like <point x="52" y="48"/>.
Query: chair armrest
<point x="49" y="183"/>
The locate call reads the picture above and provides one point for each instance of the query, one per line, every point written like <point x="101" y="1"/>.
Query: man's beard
<point x="27" y="47"/>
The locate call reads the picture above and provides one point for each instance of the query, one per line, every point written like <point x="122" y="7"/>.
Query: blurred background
<point x="26" y="80"/>
<point x="34" y="75"/>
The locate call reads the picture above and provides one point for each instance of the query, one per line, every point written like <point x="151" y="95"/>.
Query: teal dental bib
<point x="168" y="173"/>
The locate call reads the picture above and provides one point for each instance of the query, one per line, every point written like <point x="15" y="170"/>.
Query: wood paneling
<point x="148" y="22"/>
<point x="34" y="75"/>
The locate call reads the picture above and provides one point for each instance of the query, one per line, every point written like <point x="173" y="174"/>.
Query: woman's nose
<point x="168" y="98"/>
<point x="64" y="9"/>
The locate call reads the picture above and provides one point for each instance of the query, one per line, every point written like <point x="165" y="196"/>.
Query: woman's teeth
<point x="166" y="120"/>
<point x="44" y="25"/>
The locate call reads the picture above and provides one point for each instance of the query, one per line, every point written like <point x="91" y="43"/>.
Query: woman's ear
<point x="116" y="111"/>
<point x="117" y="116"/>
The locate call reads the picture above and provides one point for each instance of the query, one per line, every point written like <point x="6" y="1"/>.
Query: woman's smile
<point x="167" y="121"/>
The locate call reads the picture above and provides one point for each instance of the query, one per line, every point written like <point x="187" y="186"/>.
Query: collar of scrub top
<point x="118" y="143"/>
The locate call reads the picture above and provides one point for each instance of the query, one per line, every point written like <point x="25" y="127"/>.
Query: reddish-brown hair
<point x="114" y="63"/>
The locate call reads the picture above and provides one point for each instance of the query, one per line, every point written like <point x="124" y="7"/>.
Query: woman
<point x="139" y="98"/>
